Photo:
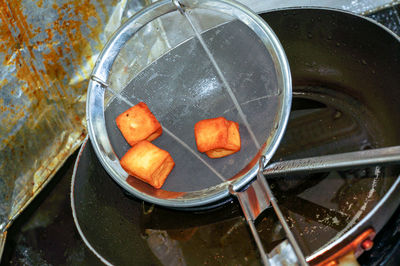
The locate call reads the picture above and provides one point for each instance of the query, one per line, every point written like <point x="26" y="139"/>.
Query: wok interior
<point x="346" y="97"/>
<point x="319" y="212"/>
<point x="182" y="87"/>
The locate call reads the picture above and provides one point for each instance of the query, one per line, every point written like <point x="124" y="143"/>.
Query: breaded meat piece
<point x="148" y="163"/>
<point x="138" y="123"/>
<point x="217" y="137"/>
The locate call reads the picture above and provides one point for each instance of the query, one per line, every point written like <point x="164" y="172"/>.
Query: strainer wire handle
<point x="258" y="242"/>
<point x="282" y="220"/>
<point x="254" y="200"/>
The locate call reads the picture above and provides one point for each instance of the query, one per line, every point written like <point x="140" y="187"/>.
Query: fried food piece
<point x="148" y="163"/>
<point x="217" y="137"/>
<point x="138" y="123"/>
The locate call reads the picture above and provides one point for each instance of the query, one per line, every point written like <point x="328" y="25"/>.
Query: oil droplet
<point x="337" y="115"/>
<point x="338" y="44"/>
<point x="329" y="37"/>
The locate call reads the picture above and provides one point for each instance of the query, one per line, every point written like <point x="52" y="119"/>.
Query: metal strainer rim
<point x="98" y="82"/>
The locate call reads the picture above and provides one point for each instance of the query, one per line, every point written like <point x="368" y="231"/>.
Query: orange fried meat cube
<point x="148" y="163"/>
<point x="138" y="123"/>
<point x="217" y="137"/>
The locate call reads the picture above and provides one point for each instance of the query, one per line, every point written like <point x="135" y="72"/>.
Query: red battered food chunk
<point x="217" y="137"/>
<point x="138" y="123"/>
<point x="148" y="163"/>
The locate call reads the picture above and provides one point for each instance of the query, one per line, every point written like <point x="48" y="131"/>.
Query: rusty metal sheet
<point x="47" y="51"/>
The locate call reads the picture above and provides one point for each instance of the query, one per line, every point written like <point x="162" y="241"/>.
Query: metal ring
<point x="179" y="6"/>
<point x="99" y="80"/>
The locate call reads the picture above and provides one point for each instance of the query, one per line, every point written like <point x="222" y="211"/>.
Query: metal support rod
<point x="334" y="162"/>
<point x="282" y="220"/>
<point x="259" y="243"/>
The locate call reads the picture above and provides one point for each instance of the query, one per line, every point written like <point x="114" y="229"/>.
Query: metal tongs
<point x="254" y="206"/>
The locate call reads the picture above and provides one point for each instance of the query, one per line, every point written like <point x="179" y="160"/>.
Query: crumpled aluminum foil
<point x="47" y="51"/>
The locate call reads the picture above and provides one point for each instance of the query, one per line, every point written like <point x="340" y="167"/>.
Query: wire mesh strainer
<point x="182" y="87"/>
